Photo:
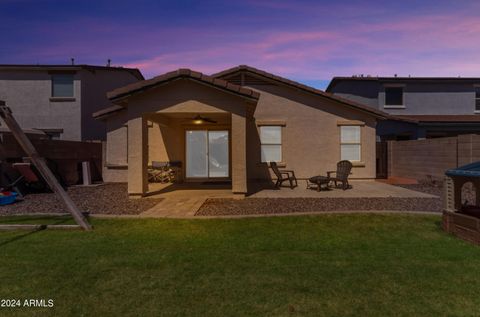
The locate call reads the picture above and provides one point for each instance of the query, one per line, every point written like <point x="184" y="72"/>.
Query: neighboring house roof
<point x="134" y="71"/>
<point x="344" y="101"/>
<point x="134" y="88"/>
<point x="441" y="118"/>
<point x="337" y="79"/>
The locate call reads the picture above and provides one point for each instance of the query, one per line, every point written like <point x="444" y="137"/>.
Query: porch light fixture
<point x="200" y="120"/>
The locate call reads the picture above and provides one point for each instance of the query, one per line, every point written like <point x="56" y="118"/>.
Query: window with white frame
<point x="394" y="97"/>
<point x="477" y="99"/>
<point x="62" y="85"/>
<point x="271" y="143"/>
<point x="350" y="143"/>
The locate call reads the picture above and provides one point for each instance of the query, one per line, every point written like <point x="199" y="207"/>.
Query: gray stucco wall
<point x="28" y="94"/>
<point x="365" y="92"/>
<point x="95" y="86"/>
<point x="419" y="98"/>
<point x="434" y="99"/>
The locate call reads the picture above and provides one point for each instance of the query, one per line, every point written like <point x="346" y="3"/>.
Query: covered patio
<point x="183" y="117"/>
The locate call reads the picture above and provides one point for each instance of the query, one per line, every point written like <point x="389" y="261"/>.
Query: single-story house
<point x="228" y="126"/>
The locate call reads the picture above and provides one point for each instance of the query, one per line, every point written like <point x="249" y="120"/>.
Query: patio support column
<point x="239" y="154"/>
<point x="137" y="157"/>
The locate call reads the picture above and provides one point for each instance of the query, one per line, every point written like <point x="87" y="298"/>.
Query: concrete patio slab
<point x="188" y="190"/>
<point x="365" y="189"/>
<point x="394" y="180"/>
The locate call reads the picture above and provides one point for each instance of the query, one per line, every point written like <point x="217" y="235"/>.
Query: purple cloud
<point x="306" y="41"/>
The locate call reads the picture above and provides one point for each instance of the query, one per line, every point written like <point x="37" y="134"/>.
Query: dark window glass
<point x="393" y="96"/>
<point x="477" y="98"/>
<point x="62" y="85"/>
<point x="477" y="92"/>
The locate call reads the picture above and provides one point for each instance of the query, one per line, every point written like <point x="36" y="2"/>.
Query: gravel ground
<point x="425" y="188"/>
<point x="104" y="199"/>
<point x="251" y="206"/>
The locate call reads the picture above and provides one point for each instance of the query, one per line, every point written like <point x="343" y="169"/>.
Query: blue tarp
<point x="470" y="170"/>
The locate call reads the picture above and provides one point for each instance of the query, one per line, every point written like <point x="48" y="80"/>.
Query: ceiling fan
<point x="198" y="119"/>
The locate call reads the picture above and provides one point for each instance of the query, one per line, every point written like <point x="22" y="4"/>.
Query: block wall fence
<point x="429" y="159"/>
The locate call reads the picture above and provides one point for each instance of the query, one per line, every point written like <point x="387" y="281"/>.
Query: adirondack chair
<point x="341" y="174"/>
<point x="283" y="175"/>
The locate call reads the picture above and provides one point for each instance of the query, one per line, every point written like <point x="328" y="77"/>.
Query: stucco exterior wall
<point x="28" y="94"/>
<point x="165" y="110"/>
<point x="116" y="149"/>
<point x="166" y="134"/>
<point x="311" y="135"/>
<point x="166" y="140"/>
<point x="311" y="132"/>
<point x="95" y="85"/>
<point x="420" y="98"/>
<point x="365" y="92"/>
<point x="433" y="99"/>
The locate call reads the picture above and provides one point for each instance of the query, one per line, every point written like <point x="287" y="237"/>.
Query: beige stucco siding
<point x="165" y="112"/>
<point x="157" y="120"/>
<point x="165" y="142"/>
<point x="116" y="149"/>
<point x="311" y="135"/>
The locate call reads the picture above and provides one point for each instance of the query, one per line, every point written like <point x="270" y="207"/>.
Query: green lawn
<point x="331" y="265"/>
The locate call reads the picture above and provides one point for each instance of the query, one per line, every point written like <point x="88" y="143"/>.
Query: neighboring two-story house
<point x="60" y="99"/>
<point x="425" y="107"/>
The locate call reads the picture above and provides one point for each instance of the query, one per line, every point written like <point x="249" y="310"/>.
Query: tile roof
<point x="107" y="111"/>
<point x="38" y="67"/>
<point x="344" y="101"/>
<point x="337" y="79"/>
<point x="181" y="73"/>
<point x="441" y="118"/>
<point x="124" y="92"/>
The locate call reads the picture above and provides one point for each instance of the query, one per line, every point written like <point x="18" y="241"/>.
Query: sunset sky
<point x="307" y="41"/>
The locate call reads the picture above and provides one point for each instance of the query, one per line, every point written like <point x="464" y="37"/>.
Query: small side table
<point x="318" y="181"/>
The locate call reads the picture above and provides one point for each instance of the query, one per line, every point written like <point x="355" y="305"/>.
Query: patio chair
<point x="283" y="175"/>
<point x="161" y="172"/>
<point x="341" y="174"/>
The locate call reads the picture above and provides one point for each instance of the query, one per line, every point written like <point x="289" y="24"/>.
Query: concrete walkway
<point x="183" y="201"/>
<point x="175" y="208"/>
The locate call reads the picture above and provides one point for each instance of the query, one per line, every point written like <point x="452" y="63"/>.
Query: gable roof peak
<point x="143" y="85"/>
<point x="303" y="87"/>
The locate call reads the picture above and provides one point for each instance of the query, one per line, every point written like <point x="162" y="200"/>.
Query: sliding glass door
<point x="207" y="154"/>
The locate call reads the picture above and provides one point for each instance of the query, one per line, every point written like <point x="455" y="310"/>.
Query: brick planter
<point x="463" y="226"/>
